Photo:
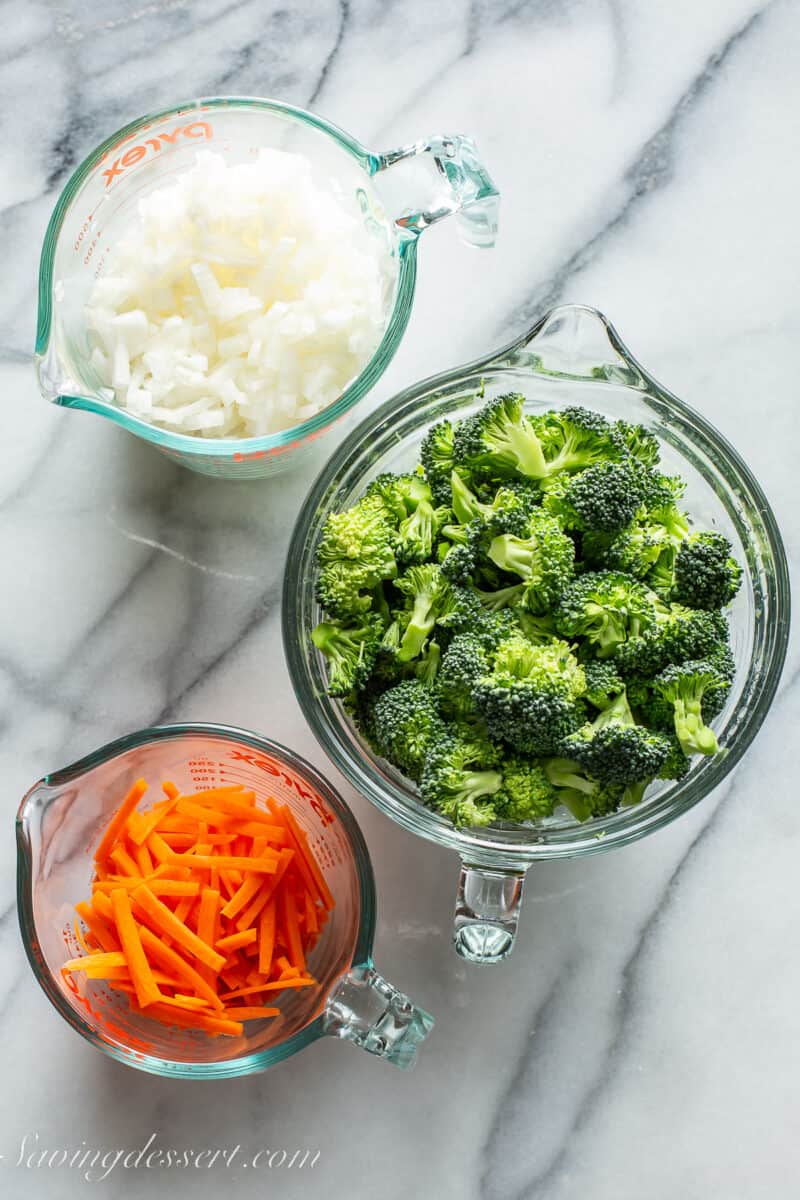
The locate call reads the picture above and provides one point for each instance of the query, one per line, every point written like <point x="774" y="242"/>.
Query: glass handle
<point x="487" y="912"/>
<point x="367" y="1010"/>
<point x="461" y="186"/>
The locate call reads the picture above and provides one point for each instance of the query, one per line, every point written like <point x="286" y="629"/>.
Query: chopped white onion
<point x="243" y="301"/>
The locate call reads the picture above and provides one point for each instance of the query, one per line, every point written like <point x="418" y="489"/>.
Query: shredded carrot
<point x="117" y="822"/>
<point x="200" y="906"/>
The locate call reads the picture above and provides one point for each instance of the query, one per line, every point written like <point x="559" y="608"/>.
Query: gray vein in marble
<point x="327" y="66"/>
<point x="650" y="171"/>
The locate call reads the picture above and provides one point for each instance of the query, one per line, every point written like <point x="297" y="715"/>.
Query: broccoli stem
<point x="528" y="451"/>
<point x="694" y="735"/>
<point x="419" y="627"/>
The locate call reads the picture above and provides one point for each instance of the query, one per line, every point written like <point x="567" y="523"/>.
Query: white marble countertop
<point x="644" y="1040"/>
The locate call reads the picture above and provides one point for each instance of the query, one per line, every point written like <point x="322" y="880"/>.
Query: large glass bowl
<point x="572" y="356"/>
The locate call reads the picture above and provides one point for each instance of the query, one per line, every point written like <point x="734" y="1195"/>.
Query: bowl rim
<point x="230" y="1068"/>
<point x="226" y="448"/>
<point x="595" y="836"/>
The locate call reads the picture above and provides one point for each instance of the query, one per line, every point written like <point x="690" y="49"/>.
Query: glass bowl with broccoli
<point x="535" y="607"/>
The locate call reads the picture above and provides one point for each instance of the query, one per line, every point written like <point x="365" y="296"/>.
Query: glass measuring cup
<point x="59" y="824"/>
<point x="442" y="176"/>
<point x="572" y="356"/>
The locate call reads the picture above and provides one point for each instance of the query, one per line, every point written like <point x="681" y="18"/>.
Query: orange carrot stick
<point x="167" y="923"/>
<point x="289" y="914"/>
<point x="147" y="991"/>
<point x="266" y="937"/>
<point x="99" y="928"/>
<point x="178" y="966"/>
<point x="234" y="940"/>
<point x="269" y="888"/>
<point x="118" y="820"/>
<point x="224" y="862"/>
<point x="242" y="1012"/>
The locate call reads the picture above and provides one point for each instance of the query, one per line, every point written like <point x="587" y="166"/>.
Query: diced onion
<point x="243" y="300"/>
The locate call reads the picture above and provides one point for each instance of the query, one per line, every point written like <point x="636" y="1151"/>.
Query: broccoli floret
<point x="527" y="795"/>
<point x="706" y="573"/>
<point x="428" y="596"/>
<point x="639" y="442"/>
<point x="544" y="559"/>
<point x="529" y="698"/>
<point x="438" y="461"/>
<point x="603" y="682"/>
<point x="584" y="797"/>
<point x="603" y="498"/>
<point x="680" y="634"/>
<point x="614" y="749"/>
<point x="350" y="650"/>
<point x="463" y="664"/>
<point x="355" y="554"/>
<point x="697" y="692"/>
<point x="404" y="724"/>
<point x="676" y="765"/>
<point x="410" y="508"/>
<point x="460" y="778"/>
<point x="607" y="608"/>
<point x="575" y="438"/>
<point x="650" y="707"/>
<point x="499" y="441"/>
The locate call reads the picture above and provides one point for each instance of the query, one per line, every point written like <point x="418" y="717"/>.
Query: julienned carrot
<point x="289" y="915"/>
<point x="147" y="991"/>
<point x="234" y="941"/>
<point x="160" y="930"/>
<point x="166" y="921"/>
<point x="305" y="850"/>
<point x="266" y="938"/>
<point x="176" y="965"/>
<point x="252" y="1012"/>
<point x="120" y="817"/>
<point x="266" y="863"/>
<point x="268" y="889"/>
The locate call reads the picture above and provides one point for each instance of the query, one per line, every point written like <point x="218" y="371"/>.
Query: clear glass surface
<point x="59" y="824"/>
<point x="442" y="176"/>
<point x="572" y="356"/>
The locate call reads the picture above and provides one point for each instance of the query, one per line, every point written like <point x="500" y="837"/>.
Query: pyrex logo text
<point x="135" y="154"/>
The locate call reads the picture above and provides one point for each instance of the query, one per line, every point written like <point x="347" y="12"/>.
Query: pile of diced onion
<point x="242" y="301"/>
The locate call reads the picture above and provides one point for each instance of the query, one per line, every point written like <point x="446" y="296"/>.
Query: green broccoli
<point x="603" y="682"/>
<point x="527" y="794"/>
<point x="641" y="444"/>
<point x="355" y="554"/>
<point x="697" y="692"/>
<point x="428" y="595"/>
<point x="574" y="438"/>
<point x="605" y="607"/>
<point x="460" y="778"/>
<point x="544" y="559"/>
<point x="706" y="573"/>
<point x="614" y="749"/>
<point x="463" y="663"/>
<point x="350" y="650"/>
<point x="438" y="462"/>
<point x="678" y="635"/>
<point x="529" y="697"/>
<point x="499" y="441"/>
<point x="404" y="724"/>
<point x="603" y="498"/>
